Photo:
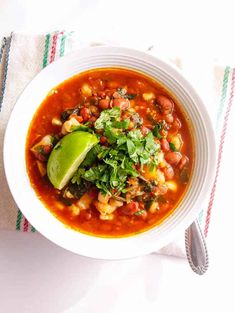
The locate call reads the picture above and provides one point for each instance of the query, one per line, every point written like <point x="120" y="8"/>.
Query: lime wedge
<point x="67" y="155"/>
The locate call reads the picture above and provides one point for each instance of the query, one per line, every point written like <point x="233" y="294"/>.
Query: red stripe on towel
<point x="26" y="225"/>
<point x="53" y="47"/>
<point x="220" y="153"/>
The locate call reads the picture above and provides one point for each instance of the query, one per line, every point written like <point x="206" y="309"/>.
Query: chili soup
<point x="109" y="152"/>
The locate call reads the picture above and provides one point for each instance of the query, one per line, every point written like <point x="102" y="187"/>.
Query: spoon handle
<point x="196" y="249"/>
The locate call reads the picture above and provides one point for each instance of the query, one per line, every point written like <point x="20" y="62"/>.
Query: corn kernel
<point x="171" y="185"/>
<point x="86" y="90"/>
<point x="147" y="96"/>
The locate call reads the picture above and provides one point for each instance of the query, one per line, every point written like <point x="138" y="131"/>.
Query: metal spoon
<point x="196" y="249"/>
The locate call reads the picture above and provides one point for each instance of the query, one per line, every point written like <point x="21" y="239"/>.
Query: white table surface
<point x="36" y="275"/>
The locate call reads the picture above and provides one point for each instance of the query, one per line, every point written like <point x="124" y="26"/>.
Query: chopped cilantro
<point x="172" y="147"/>
<point x="106" y="117"/>
<point x="109" y="167"/>
<point x="156" y="131"/>
<point x="123" y="124"/>
<point x="92" y="155"/>
<point x="77" y="177"/>
<point x="139" y="212"/>
<point x="130" y="96"/>
<point x="123" y="93"/>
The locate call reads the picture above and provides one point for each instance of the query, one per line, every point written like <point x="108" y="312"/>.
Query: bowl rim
<point x="187" y="220"/>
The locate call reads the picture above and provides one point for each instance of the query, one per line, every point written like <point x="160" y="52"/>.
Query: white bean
<point x="154" y="207"/>
<point x="104" y="208"/>
<point x="84" y="202"/>
<point x="103" y="198"/>
<point x="68" y="125"/>
<point x="115" y="203"/>
<point x="160" y="176"/>
<point x="41" y="167"/>
<point x="106" y="217"/>
<point x="56" y="122"/>
<point x="75" y="209"/>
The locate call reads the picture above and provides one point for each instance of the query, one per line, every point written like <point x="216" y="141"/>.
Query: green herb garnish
<point x="156" y="131"/>
<point x="139" y="212"/>
<point x="92" y="155"/>
<point x="109" y="167"/>
<point x="77" y="177"/>
<point x="122" y="92"/>
<point x="107" y="117"/>
<point x="172" y="147"/>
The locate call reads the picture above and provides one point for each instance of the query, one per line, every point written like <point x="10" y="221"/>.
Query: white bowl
<point x="32" y="207"/>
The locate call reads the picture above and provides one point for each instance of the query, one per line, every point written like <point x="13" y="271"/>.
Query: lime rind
<point x="67" y="155"/>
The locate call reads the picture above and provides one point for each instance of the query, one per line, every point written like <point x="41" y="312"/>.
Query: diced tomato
<point x="144" y="130"/>
<point x="77" y="117"/>
<point x="41" y="152"/>
<point x="40" y="156"/>
<point x="129" y="208"/>
<point x="123" y="104"/>
<point x="47" y="149"/>
<point x="101" y="94"/>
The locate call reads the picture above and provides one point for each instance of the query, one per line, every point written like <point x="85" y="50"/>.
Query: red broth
<point x="149" y="101"/>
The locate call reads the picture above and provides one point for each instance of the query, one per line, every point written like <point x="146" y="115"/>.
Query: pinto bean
<point x="168" y="172"/>
<point x="184" y="160"/>
<point x="166" y="105"/>
<point x="85" y="113"/>
<point x="104" y="104"/>
<point x="165" y="145"/>
<point x="103" y="140"/>
<point x="92" y="119"/>
<point x="123" y="104"/>
<point x="94" y="100"/>
<point x="173" y="158"/>
<point x="94" y="110"/>
<point x="176" y="125"/>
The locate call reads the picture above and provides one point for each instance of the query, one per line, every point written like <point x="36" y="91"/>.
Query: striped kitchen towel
<point x="23" y="56"/>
